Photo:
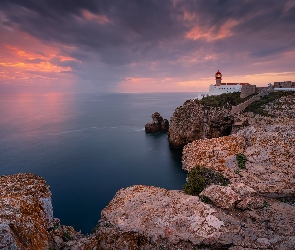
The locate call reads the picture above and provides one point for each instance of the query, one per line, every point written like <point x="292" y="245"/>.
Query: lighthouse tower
<point x="218" y="79"/>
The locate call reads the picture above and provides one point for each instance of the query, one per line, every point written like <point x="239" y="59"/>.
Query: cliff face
<point x="269" y="151"/>
<point x="246" y="214"/>
<point x="26" y="221"/>
<point x="192" y="121"/>
<point x="214" y="116"/>
<point x="26" y="212"/>
<point x="282" y="107"/>
<point x="142" y="217"/>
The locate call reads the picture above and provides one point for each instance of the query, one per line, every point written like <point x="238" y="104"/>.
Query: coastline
<point x="255" y="210"/>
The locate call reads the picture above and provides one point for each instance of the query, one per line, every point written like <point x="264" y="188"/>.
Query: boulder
<point x="252" y="203"/>
<point x="221" y="196"/>
<point x="157" y="125"/>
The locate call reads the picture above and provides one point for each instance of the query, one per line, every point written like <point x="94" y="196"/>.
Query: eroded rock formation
<point x="269" y="152"/>
<point x="142" y="217"/>
<point x="26" y="217"/>
<point x="26" y="212"/>
<point x="157" y="125"/>
<point x="192" y="121"/>
<point x="246" y="214"/>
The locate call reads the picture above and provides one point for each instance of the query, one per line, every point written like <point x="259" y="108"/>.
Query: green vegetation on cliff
<point x="199" y="178"/>
<point x="229" y="99"/>
<point x="241" y="158"/>
<point x="257" y="107"/>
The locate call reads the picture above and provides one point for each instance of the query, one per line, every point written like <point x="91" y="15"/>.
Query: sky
<point x="136" y="46"/>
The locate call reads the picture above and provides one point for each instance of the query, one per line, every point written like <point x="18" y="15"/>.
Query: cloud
<point x="102" y="42"/>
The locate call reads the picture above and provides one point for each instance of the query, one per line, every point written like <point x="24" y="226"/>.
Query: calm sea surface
<point x="88" y="146"/>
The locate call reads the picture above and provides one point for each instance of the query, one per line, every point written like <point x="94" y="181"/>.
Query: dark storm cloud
<point x="135" y="28"/>
<point x="133" y="25"/>
<point x="117" y="33"/>
<point x="66" y="63"/>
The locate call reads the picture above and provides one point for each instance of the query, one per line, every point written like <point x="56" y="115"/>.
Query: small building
<point x="220" y="88"/>
<point x="284" y="86"/>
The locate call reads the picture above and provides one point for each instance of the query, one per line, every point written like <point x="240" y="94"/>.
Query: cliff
<point x="193" y="121"/>
<point x="26" y="221"/>
<point x="142" y="217"/>
<point x="26" y="212"/>
<point x="215" y="116"/>
<point x="255" y="209"/>
<point x="269" y="153"/>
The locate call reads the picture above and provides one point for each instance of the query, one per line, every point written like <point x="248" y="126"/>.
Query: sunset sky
<point x="143" y="45"/>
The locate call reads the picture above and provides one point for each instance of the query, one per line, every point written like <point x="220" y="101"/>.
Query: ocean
<point x="88" y="146"/>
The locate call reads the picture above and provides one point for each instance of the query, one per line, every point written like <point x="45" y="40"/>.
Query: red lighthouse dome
<point x="218" y="75"/>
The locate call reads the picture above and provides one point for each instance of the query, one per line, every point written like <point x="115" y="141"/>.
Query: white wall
<point x="218" y="90"/>
<point x="284" y="89"/>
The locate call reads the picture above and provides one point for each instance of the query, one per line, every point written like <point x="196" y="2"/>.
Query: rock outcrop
<point x="193" y="121"/>
<point x="26" y="212"/>
<point x="142" y="217"/>
<point x="282" y="107"/>
<point x="255" y="210"/>
<point x="157" y="125"/>
<point x="281" y="111"/>
<point x="269" y="152"/>
<point x="26" y="217"/>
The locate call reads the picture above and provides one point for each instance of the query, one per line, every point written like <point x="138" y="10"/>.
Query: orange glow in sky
<point x="111" y="46"/>
<point x="31" y="62"/>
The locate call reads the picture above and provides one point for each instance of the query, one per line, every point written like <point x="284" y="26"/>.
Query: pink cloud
<point x="211" y="34"/>
<point x="101" y="19"/>
<point x="27" y="61"/>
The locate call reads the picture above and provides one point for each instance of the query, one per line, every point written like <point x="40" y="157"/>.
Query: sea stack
<point x="157" y="125"/>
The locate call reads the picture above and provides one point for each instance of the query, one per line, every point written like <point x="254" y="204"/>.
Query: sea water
<point x="88" y="146"/>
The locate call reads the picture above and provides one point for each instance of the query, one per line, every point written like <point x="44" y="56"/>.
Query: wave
<point x="142" y="129"/>
<point x="67" y="132"/>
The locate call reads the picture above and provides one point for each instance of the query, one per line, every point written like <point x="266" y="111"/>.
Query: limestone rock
<point x="251" y="203"/>
<point x="269" y="152"/>
<point x="192" y="121"/>
<point x="148" y="217"/>
<point x="282" y="107"/>
<point x="142" y="217"/>
<point x="26" y="212"/>
<point x="26" y="217"/>
<point x="221" y="196"/>
<point x="157" y="125"/>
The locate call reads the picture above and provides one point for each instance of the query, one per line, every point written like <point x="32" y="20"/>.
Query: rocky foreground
<point x="254" y="210"/>
<point x="26" y="217"/>
<point x="142" y="217"/>
<point x="270" y="154"/>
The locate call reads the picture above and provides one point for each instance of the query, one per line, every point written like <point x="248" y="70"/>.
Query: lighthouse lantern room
<point x="218" y="78"/>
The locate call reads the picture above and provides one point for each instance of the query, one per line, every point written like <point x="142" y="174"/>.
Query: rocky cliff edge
<point x="255" y="211"/>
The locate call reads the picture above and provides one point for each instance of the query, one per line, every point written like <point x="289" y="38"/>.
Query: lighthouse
<point x="222" y="88"/>
<point x="218" y="78"/>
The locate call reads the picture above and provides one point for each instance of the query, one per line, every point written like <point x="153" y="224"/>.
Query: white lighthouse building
<point x="220" y="88"/>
